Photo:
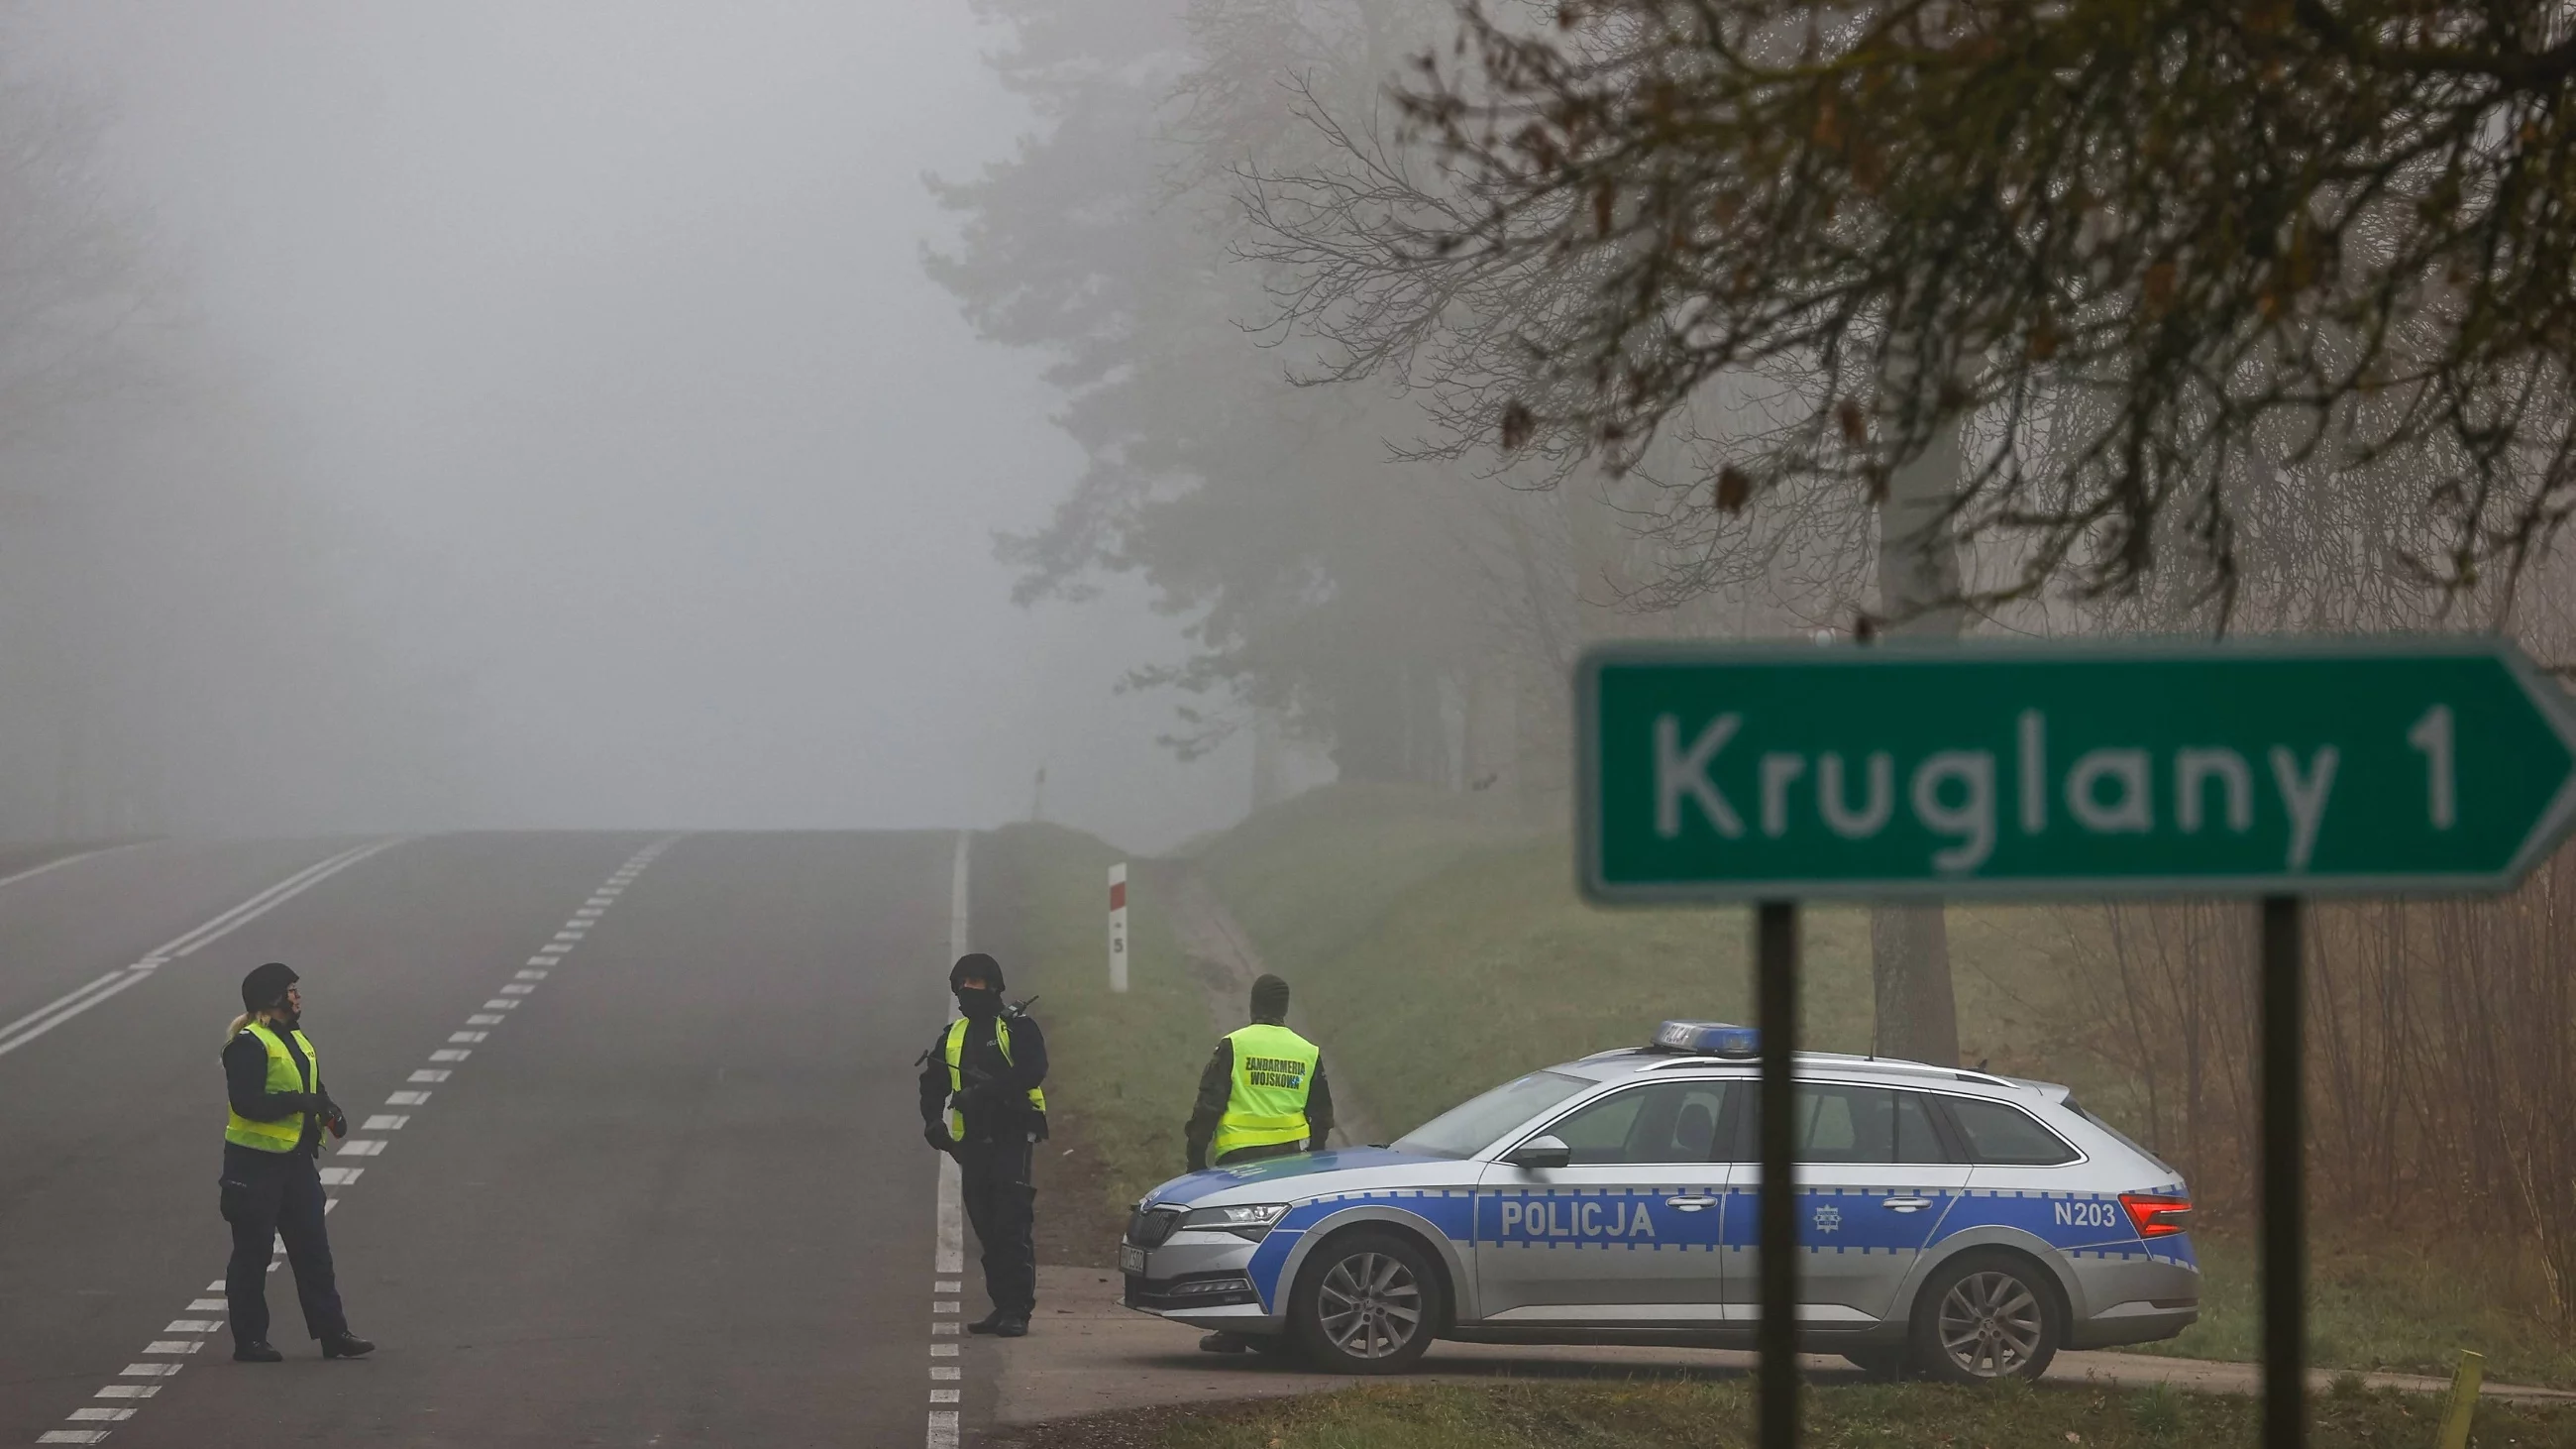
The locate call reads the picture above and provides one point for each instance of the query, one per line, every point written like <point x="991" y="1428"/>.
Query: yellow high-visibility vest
<point x="1274" y="1071"/>
<point x="957" y="1074"/>
<point x="282" y="1135"/>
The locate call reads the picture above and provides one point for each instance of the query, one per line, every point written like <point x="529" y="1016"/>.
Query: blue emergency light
<point x="1712" y="1038"/>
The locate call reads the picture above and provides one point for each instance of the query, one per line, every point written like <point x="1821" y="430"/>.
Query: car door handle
<point x="1690" y="1204"/>
<point x="1908" y="1204"/>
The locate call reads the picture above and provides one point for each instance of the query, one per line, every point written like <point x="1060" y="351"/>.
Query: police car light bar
<point x="1712" y="1038"/>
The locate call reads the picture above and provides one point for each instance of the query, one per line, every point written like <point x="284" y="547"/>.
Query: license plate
<point x="1131" y="1259"/>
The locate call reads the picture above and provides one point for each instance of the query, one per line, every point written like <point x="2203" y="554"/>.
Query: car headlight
<point x="1254" y="1221"/>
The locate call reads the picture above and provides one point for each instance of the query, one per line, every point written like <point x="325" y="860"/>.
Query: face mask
<point x="979" y="1004"/>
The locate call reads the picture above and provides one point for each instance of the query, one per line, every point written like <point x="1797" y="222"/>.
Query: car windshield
<point x="1465" y="1130"/>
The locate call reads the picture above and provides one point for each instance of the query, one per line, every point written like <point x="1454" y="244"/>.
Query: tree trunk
<point x="1909" y="949"/>
<point x="1918" y="591"/>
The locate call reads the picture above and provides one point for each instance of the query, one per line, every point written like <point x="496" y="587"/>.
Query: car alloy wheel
<point x="1992" y="1325"/>
<point x="1368" y="1303"/>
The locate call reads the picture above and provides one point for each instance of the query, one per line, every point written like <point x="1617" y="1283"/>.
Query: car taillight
<point x="2156" y="1214"/>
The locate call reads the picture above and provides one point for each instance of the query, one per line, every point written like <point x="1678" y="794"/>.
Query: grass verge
<point x="2375" y="1304"/>
<point x="1122" y="1067"/>
<point x="1707" y="1416"/>
<point x="1443" y="951"/>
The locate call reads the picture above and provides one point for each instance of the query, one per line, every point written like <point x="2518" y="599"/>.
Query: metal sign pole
<point x="2285" y="1377"/>
<point x="1776" y="1006"/>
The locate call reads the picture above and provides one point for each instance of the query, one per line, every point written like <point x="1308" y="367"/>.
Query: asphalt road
<point x="675" y="1195"/>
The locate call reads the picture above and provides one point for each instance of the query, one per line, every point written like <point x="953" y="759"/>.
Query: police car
<point x="1951" y="1223"/>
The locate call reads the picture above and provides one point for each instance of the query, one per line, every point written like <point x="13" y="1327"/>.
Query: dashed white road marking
<point x="948" y="1252"/>
<point x="105" y="986"/>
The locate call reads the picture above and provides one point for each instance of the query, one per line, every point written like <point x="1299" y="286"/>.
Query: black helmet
<point x="976" y="963"/>
<point x="266" y="986"/>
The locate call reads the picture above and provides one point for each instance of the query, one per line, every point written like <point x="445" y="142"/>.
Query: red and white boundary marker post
<point x="1118" y="926"/>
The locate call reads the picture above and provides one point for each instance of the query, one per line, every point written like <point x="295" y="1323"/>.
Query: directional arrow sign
<point x="2409" y="765"/>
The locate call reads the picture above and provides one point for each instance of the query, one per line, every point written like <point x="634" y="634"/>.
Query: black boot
<point x="989" y="1323"/>
<point x="1015" y="1326"/>
<point x="345" y="1344"/>
<point x="256" y="1350"/>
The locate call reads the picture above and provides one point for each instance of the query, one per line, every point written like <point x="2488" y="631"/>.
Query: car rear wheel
<point x="1984" y="1317"/>
<point x="1366" y="1303"/>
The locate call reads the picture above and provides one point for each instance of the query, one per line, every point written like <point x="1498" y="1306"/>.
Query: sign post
<point x="2274" y="770"/>
<point x="1118" y="926"/>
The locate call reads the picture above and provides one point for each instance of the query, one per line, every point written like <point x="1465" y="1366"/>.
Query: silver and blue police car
<point x="1952" y="1223"/>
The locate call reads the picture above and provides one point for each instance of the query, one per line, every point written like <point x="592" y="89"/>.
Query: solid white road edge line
<point x="27" y="1028"/>
<point x="73" y="859"/>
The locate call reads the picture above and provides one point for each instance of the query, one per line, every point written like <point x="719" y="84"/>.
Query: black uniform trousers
<point x="1001" y="1203"/>
<point x="266" y="1196"/>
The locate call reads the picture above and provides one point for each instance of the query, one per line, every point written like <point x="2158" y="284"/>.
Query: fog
<point x="538" y="415"/>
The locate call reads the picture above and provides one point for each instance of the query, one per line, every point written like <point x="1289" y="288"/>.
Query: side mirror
<point x="1540" y="1151"/>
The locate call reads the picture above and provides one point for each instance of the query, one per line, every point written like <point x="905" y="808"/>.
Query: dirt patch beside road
<point x="1087" y="1355"/>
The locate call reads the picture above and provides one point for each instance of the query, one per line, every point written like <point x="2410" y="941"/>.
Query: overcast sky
<point x="605" y="321"/>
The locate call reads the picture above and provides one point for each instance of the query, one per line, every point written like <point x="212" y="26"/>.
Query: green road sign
<point x="1780" y="772"/>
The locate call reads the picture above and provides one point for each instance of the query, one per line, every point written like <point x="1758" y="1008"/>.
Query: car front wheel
<point x="1367" y="1303"/>
<point x="1985" y="1317"/>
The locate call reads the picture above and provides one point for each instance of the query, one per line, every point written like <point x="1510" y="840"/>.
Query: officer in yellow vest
<point x="1261" y="1095"/>
<point x="981" y="1103"/>
<point x="271" y="1187"/>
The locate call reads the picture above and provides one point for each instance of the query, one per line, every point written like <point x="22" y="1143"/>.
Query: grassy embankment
<point x="1438" y="952"/>
<point x="1614" y="1416"/>
<point x="1123" y="1066"/>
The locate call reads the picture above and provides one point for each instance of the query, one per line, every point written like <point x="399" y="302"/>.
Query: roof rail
<point x="1666" y="1062"/>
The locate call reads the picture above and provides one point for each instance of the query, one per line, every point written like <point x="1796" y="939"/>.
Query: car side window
<point x="2006" y="1136"/>
<point x="1665" y="1122"/>
<point x="1836" y="1123"/>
